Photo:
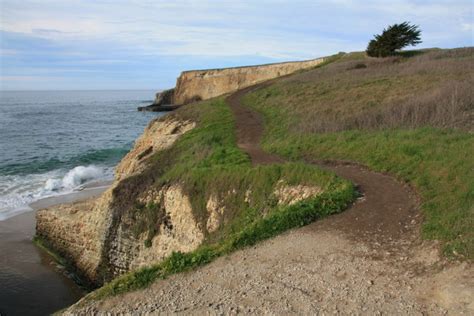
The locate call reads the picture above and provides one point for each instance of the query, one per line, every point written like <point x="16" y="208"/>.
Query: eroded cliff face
<point x="179" y="232"/>
<point x="159" y="135"/>
<point x="205" y="84"/>
<point x="94" y="237"/>
<point x="164" y="101"/>
<point x="164" y="97"/>
<point x="76" y="232"/>
<point x="138" y="221"/>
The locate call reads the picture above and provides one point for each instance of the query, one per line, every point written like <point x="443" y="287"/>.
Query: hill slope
<point x="378" y="116"/>
<point x="410" y="117"/>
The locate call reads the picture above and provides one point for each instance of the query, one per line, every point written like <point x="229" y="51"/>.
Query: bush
<point x="358" y="66"/>
<point x="393" y="38"/>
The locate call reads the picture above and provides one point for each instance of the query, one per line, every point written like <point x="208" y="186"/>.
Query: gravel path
<point x="366" y="260"/>
<point x="311" y="270"/>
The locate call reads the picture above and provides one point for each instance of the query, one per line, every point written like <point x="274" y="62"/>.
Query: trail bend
<point x="388" y="210"/>
<point x="369" y="259"/>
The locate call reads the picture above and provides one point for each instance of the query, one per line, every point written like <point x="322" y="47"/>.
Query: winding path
<point x="366" y="260"/>
<point x="385" y="213"/>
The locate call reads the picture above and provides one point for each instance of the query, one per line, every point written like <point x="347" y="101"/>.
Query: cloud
<point x="276" y="29"/>
<point x="7" y="52"/>
<point x="17" y="78"/>
<point x="125" y="36"/>
<point x="467" y="27"/>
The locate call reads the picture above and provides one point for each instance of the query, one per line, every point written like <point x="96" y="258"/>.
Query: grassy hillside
<point x="206" y="161"/>
<point x="411" y="116"/>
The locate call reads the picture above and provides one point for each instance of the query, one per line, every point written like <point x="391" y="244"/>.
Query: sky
<point x="118" y="44"/>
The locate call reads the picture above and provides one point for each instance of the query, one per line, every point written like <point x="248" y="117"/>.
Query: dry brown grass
<point x="448" y="106"/>
<point x="430" y="89"/>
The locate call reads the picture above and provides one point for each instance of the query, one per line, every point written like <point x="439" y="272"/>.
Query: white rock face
<point x="205" y="84"/>
<point x="291" y="194"/>
<point x="215" y="211"/>
<point x="76" y="232"/>
<point x="159" y="135"/>
<point x="181" y="233"/>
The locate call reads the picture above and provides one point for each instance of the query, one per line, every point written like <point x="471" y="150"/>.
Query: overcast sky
<point x="118" y="44"/>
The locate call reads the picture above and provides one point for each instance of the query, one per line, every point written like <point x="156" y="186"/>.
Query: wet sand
<point x="31" y="283"/>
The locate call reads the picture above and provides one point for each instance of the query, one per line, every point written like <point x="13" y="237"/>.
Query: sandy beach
<point x="32" y="282"/>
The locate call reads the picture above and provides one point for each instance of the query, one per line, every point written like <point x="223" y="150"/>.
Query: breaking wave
<point x="18" y="191"/>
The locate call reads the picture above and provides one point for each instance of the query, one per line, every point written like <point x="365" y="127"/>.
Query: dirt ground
<point x="369" y="259"/>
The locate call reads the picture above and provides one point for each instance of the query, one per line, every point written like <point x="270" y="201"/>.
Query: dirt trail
<point x="366" y="260"/>
<point x="249" y="128"/>
<point x="389" y="209"/>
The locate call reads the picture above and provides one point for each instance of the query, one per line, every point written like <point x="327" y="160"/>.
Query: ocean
<point x="55" y="142"/>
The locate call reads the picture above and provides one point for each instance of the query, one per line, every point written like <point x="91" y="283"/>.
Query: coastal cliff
<point x="146" y="216"/>
<point x="205" y="84"/>
<point x="196" y="85"/>
<point x="93" y="235"/>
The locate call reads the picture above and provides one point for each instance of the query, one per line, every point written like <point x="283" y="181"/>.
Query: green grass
<point x="438" y="162"/>
<point x="206" y="161"/>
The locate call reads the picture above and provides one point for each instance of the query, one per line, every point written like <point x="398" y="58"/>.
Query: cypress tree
<point x="394" y="38"/>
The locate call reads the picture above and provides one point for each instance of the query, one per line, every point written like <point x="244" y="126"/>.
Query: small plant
<point x="358" y="66"/>
<point x="394" y="38"/>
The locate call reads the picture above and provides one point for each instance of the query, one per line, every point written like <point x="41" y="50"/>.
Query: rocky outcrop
<point x="180" y="231"/>
<point x="164" y="101"/>
<point x="205" y="84"/>
<point x="177" y="230"/>
<point x="158" y="135"/>
<point x="291" y="194"/>
<point x="139" y="221"/>
<point x="96" y="238"/>
<point x="76" y="232"/>
<point x="196" y="85"/>
<point x="164" y="97"/>
<point x="157" y="108"/>
<point x="215" y="213"/>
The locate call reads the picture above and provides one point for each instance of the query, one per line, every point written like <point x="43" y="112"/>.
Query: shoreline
<point x="90" y="190"/>
<point x="26" y="271"/>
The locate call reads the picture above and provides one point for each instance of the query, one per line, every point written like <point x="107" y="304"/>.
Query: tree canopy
<point x="394" y="38"/>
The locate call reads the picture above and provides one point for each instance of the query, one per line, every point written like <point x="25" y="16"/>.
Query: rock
<point x="291" y="194"/>
<point x="164" y="97"/>
<point x="159" y="135"/>
<point x="163" y="102"/>
<point x="215" y="211"/>
<point x="157" y="108"/>
<point x="87" y="234"/>
<point x="198" y="85"/>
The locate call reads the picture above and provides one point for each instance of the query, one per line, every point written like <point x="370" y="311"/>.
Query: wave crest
<point x="17" y="192"/>
<point x="74" y="178"/>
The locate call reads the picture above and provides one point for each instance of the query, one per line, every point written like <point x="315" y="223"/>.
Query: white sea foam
<point x="17" y="192"/>
<point x="74" y="178"/>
